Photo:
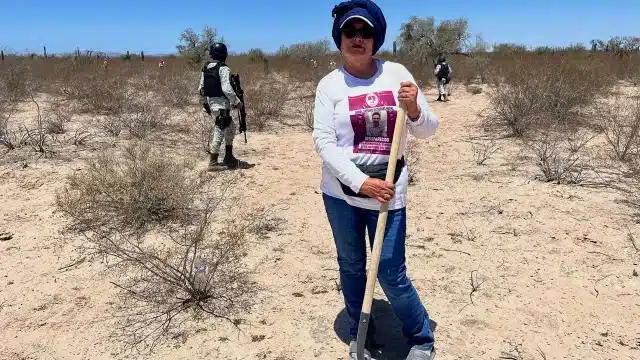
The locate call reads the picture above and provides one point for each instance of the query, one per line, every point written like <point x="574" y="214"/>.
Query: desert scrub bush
<point x="16" y="81"/>
<point x="411" y="156"/>
<point x="7" y="109"/>
<point x="266" y="98"/>
<point x="134" y="192"/>
<point x="177" y="89"/>
<point x="57" y="115"/>
<point x="140" y="116"/>
<point x="483" y="150"/>
<point x="100" y="94"/>
<point x="546" y="95"/>
<point x="620" y="122"/>
<point x="474" y="89"/>
<point x="37" y="136"/>
<point x="561" y="158"/>
<point x="194" y="274"/>
<point x="153" y="227"/>
<point x="308" y="104"/>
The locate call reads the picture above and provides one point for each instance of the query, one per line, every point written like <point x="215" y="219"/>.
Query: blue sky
<point x="154" y="26"/>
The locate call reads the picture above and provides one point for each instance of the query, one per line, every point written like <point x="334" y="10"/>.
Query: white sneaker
<point x="353" y="351"/>
<point x="418" y="354"/>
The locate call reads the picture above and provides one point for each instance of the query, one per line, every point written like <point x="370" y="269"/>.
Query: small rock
<point x="635" y="272"/>
<point x="605" y="334"/>
<point x="4" y="236"/>
<point x="297" y="294"/>
<point x="257" y="338"/>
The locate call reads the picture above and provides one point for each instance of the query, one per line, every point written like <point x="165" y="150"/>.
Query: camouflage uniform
<point x="218" y="103"/>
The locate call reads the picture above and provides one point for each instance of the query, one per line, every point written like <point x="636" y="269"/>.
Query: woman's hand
<point x="378" y="189"/>
<point x="408" y="97"/>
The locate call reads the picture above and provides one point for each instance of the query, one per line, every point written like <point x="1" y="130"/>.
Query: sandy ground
<point x="551" y="265"/>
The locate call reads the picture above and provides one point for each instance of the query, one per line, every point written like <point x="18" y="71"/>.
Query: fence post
<point x="45" y="51"/>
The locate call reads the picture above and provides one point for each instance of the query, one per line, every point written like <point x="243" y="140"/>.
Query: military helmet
<point x="218" y="51"/>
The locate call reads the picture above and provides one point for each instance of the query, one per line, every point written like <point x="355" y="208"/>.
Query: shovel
<point x="365" y="315"/>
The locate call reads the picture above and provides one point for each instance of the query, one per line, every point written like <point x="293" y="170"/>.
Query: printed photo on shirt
<point x="373" y="116"/>
<point x="376" y="124"/>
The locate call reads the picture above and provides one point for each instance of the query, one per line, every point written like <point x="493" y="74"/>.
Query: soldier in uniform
<point x="442" y="72"/>
<point x="218" y="98"/>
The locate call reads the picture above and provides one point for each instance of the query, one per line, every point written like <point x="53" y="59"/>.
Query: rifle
<point x="237" y="87"/>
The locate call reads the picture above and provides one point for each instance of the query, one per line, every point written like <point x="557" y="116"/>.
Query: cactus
<point x="2" y="55"/>
<point x="45" y="51"/>
<point x="394" y="48"/>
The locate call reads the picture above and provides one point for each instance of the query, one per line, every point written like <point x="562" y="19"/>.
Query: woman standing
<point x="354" y="166"/>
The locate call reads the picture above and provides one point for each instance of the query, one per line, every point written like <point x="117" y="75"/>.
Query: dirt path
<point x="508" y="267"/>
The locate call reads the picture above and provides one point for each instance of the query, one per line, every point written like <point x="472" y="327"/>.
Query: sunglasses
<point x="366" y="32"/>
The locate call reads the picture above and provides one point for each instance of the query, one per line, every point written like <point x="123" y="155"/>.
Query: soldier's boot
<point x="229" y="160"/>
<point x="213" y="163"/>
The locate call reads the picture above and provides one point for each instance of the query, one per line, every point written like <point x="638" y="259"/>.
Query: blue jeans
<point x="348" y="225"/>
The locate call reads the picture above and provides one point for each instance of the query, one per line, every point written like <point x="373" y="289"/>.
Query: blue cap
<point x="357" y="13"/>
<point x="366" y="10"/>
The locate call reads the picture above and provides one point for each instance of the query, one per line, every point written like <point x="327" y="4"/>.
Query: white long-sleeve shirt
<point x="344" y="108"/>
<point x="231" y="98"/>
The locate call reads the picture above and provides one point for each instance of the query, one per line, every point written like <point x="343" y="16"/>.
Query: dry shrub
<point x="111" y="125"/>
<point x="16" y="82"/>
<point x="139" y="190"/>
<point x="620" y="121"/>
<point x="196" y="274"/>
<point x="265" y="101"/>
<point x="264" y="220"/>
<point x="153" y="225"/>
<point x="13" y="88"/>
<point x="307" y="104"/>
<point x="141" y="117"/>
<point x="57" y="116"/>
<point x="546" y="95"/>
<point x="205" y="125"/>
<point x="7" y="109"/>
<point x="100" y="94"/>
<point x="177" y="90"/>
<point x="474" y="89"/>
<point x="411" y="156"/>
<point x="561" y="158"/>
<point x="81" y="136"/>
<point x="483" y="150"/>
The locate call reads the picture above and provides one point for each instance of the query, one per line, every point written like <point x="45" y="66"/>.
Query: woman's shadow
<point x="388" y="331"/>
